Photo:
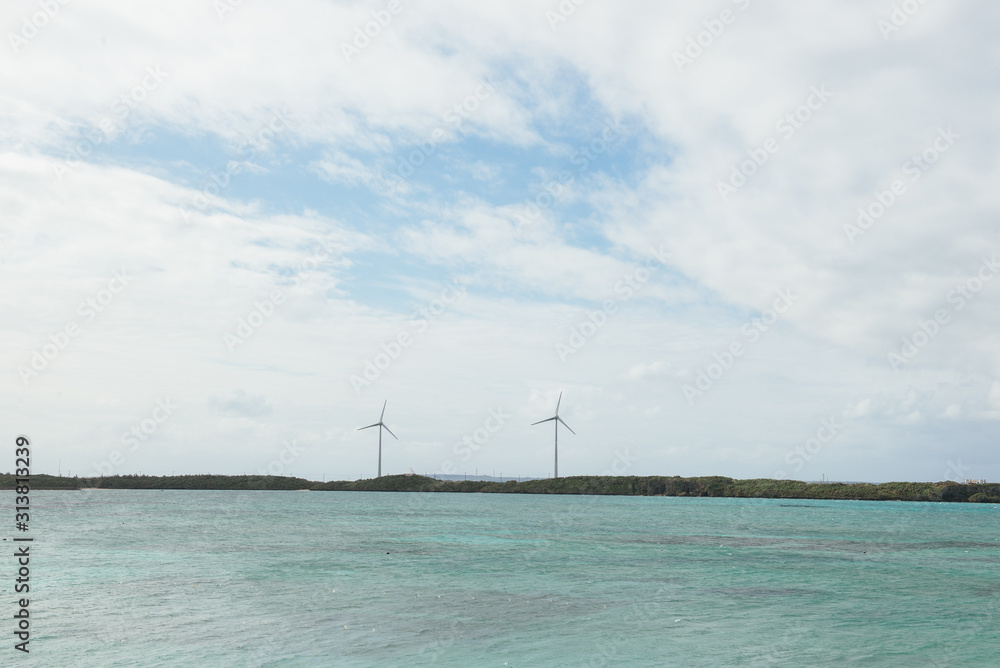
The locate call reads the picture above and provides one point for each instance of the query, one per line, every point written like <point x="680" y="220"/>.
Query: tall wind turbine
<point x="556" y="420"/>
<point x="381" y="425"/>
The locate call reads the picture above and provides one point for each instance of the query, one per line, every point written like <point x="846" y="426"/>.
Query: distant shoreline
<point x="707" y="486"/>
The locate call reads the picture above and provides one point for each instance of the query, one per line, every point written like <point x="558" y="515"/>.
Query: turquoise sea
<point x="186" y="578"/>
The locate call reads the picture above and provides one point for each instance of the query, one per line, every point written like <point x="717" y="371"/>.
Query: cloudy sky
<point x="743" y="239"/>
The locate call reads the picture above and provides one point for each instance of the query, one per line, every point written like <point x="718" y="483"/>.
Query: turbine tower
<point x="381" y="425"/>
<point x="556" y="420"/>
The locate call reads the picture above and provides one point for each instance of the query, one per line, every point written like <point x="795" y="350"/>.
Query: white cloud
<point x="241" y="403"/>
<point x="483" y="172"/>
<point x="646" y="370"/>
<point x="340" y="168"/>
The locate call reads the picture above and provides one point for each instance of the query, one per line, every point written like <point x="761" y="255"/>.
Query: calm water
<point x="177" y="578"/>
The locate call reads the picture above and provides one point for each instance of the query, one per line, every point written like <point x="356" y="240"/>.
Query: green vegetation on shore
<point x="164" y="482"/>
<point x="615" y="485"/>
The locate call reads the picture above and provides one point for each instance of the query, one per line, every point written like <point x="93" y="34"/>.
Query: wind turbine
<point x="381" y="426"/>
<point x="556" y="420"/>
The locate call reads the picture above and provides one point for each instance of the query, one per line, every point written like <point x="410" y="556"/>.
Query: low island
<point x="708" y="486"/>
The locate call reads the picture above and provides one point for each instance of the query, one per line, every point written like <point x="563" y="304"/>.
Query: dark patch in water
<point x="711" y="541"/>
<point x="993" y="590"/>
<point x="755" y="592"/>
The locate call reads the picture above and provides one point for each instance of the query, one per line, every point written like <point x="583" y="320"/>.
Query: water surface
<point x="227" y="578"/>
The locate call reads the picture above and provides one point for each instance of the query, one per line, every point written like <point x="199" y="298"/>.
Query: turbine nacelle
<point x="558" y="419"/>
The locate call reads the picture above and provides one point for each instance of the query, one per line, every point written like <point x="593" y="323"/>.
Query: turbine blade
<point x="541" y="421"/>
<point x="558" y="402"/>
<point x="369" y="426"/>
<point x="567" y="426"/>
<point x="383" y="410"/>
<point x="390" y="431"/>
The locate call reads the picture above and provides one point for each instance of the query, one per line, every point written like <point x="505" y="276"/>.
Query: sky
<point x="740" y="238"/>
